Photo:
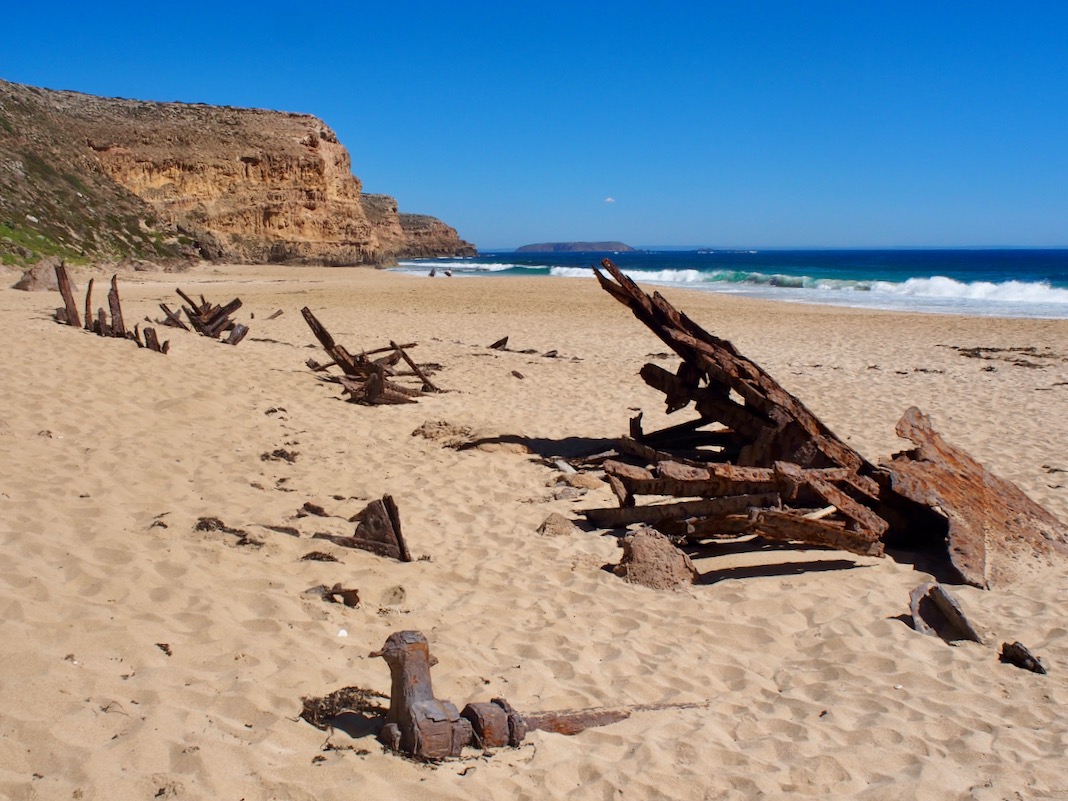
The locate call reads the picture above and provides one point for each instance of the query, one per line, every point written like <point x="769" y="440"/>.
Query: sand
<point x="143" y="658"/>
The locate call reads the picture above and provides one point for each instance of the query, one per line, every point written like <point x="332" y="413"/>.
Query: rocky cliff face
<point x="234" y="184"/>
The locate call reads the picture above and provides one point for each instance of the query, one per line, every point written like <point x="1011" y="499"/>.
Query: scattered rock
<point x="310" y="508"/>
<point x="446" y="434"/>
<point x="280" y="455"/>
<point x="581" y="481"/>
<point x="556" y="525"/>
<point x="568" y="493"/>
<point x="650" y="559"/>
<point x="319" y="556"/>
<point x="41" y="277"/>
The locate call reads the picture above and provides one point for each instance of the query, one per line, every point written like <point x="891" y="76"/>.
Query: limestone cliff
<point x="234" y="184"/>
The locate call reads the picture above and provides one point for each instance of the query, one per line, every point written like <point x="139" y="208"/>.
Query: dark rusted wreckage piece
<point x="757" y="461"/>
<point x="367" y="380"/>
<point x="378" y="530"/>
<point x="101" y="324"/>
<point x="993" y="526"/>
<point x="422" y="726"/>
<point x="208" y="319"/>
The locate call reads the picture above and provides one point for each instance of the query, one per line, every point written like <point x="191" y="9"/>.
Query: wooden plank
<point x="654" y="513"/>
<point x="68" y="295"/>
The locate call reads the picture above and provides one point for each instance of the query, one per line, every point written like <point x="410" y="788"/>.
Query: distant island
<point x="575" y="247"/>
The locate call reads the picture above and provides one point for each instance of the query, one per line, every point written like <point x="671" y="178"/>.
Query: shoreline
<point x="805" y="679"/>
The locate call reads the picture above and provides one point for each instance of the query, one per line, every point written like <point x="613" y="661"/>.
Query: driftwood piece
<point x="936" y="613"/>
<point x="994" y="529"/>
<point x="65" y="289"/>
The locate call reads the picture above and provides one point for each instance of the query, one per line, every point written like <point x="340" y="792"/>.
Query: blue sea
<point x="998" y="283"/>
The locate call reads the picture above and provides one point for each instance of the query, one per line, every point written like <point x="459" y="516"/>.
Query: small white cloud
<point x="609" y="200"/>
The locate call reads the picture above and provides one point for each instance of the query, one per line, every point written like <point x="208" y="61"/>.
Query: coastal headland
<point x="93" y="179"/>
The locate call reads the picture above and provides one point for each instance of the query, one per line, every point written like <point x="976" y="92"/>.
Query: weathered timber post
<point x="68" y="296"/>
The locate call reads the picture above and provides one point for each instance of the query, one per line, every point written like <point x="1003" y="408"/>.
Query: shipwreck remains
<point x="100" y="323"/>
<point x="367" y="380"/>
<point x="378" y="530"/>
<point x="428" y="728"/>
<point x="207" y="319"/>
<point x="756" y="461"/>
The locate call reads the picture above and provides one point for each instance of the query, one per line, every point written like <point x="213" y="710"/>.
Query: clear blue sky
<point x="764" y="124"/>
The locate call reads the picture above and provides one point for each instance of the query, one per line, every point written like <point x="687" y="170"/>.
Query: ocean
<point x="998" y="283"/>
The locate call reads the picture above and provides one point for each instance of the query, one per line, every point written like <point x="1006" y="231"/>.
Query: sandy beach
<point x="144" y="658"/>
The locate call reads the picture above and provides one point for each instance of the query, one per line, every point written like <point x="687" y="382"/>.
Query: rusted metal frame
<point x="655" y="513"/>
<point x="172" y="318"/>
<point x="709" y="527"/>
<point x="336" y="352"/>
<point x="710" y="404"/>
<point x="712" y="486"/>
<point x="219" y="320"/>
<point x="428" y="385"/>
<point x="777" y="525"/>
<point x="976" y="504"/>
<point x="632" y="447"/>
<point x="198" y="308"/>
<point x="726" y="472"/>
<point x="863" y="517"/>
